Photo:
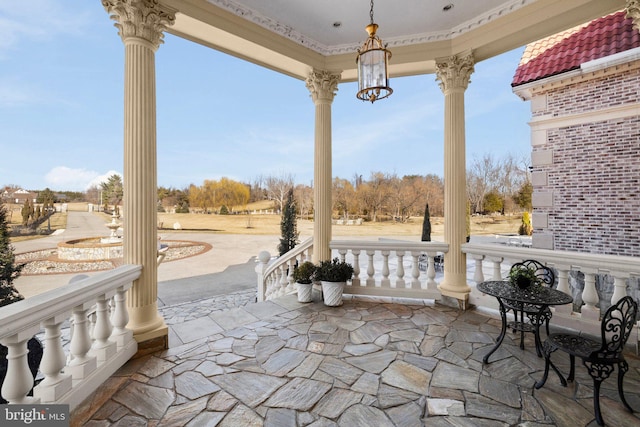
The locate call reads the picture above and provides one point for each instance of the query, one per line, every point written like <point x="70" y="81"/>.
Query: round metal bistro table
<point x="533" y="296"/>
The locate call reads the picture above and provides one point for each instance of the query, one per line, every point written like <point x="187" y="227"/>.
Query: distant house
<point x="584" y="88"/>
<point x="20" y="196"/>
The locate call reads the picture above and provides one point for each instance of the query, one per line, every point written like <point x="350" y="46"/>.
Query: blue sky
<point x="61" y="110"/>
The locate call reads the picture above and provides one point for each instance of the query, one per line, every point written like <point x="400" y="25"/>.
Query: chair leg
<point x="572" y="368"/>
<point x="596" y="401"/>
<point x="547" y="326"/>
<point x="543" y="380"/>
<point x="623" y="367"/>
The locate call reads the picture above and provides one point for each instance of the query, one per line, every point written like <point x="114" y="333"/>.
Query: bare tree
<point x="277" y="187"/>
<point x="304" y="199"/>
<point x="343" y="197"/>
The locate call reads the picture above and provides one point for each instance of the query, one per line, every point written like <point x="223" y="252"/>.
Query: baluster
<point x="590" y="295"/>
<point x="431" y="271"/>
<point x="400" y="283"/>
<point x="82" y="363"/>
<point x="415" y="270"/>
<point x="284" y="279"/>
<point x="385" y="283"/>
<point x="102" y="348"/>
<point x="263" y="282"/>
<point x="18" y="381"/>
<point x="290" y="287"/>
<point x="55" y="384"/>
<point x="343" y="254"/>
<point x="619" y="286"/>
<point x="563" y="286"/>
<point x="371" y="281"/>
<point x="497" y="273"/>
<point x="355" y="281"/>
<point x="563" y="278"/>
<point x="120" y="317"/>
<point x="478" y="274"/>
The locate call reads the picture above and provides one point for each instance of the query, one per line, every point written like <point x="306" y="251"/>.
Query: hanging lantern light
<point x="373" y="66"/>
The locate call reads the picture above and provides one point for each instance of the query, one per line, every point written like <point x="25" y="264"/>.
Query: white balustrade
<point x="275" y="278"/>
<point x="587" y="318"/>
<point x="382" y="258"/>
<point x="94" y="355"/>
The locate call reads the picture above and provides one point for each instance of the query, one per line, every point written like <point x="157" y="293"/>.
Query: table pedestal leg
<point x="503" y="332"/>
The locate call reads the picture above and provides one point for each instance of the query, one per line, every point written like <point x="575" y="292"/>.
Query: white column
<point x="323" y="86"/>
<point x="141" y="24"/>
<point x="453" y="74"/>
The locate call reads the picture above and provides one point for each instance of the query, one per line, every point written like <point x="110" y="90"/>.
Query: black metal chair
<point x="599" y="357"/>
<point x="536" y="316"/>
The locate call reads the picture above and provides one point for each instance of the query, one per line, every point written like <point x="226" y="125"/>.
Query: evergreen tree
<point x="426" y="225"/>
<point x="9" y="270"/>
<point x="26" y="212"/>
<point x="288" y="226"/>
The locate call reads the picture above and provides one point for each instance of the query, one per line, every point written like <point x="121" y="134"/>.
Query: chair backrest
<point x="545" y="274"/>
<point x="617" y="324"/>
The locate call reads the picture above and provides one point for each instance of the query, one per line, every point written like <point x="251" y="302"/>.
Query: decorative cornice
<point x="633" y="12"/>
<point x="323" y="85"/>
<point x="145" y="19"/>
<point x="288" y="32"/>
<point x="454" y="72"/>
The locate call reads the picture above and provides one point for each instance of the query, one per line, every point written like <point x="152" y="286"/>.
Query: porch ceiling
<point x="294" y="36"/>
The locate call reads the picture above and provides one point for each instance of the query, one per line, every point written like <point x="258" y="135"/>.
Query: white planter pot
<point x="304" y="292"/>
<point x="332" y="293"/>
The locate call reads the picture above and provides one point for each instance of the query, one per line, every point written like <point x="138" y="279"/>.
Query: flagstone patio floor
<point x="367" y="363"/>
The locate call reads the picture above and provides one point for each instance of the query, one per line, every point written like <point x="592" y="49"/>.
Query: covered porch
<point x="368" y="362"/>
<point x="401" y="361"/>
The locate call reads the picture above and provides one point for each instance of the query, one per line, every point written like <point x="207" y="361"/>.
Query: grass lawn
<point x="264" y="224"/>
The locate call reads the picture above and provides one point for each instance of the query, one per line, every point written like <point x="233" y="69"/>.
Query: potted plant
<point x="523" y="276"/>
<point x="333" y="275"/>
<point x="303" y="275"/>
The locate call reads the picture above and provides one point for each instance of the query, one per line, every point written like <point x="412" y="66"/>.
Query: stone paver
<point x="366" y="363"/>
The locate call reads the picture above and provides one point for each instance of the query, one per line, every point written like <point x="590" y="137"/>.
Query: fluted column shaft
<point x="323" y="86"/>
<point x="453" y="74"/>
<point x="141" y="24"/>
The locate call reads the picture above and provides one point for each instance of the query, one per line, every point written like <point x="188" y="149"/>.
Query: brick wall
<point x="594" y="177"/>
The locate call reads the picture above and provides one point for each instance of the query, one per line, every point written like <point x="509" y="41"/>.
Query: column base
<point x="460" y="294"/>
<point x="152" y="345"/>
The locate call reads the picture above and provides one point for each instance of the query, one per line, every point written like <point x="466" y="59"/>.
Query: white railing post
<point x="400" y="283"/>
<point x="415" y="270"/>
<point x="432" y="285"/>
<point x="563" y="286"/>
<point x="263" y="258"/>
<point x="385" y="282"/>
<point x="82" y="363"/>
<point x="55" y="384"/>
<point x="478" y="274"/>
<point x="590" y="295"/>
<point x="18" y="381"/>
<point x="371" y="281"/>
<point x="619" y="286"/>
<point x="102" y="347"/>
<point x="120" y="317"/>
<point x="497" y="263"/>
<point x="355" y="281"/>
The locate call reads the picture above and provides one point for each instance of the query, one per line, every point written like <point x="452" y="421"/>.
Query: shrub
<point x="334" y="271"/>
<point x="304" y="272"/>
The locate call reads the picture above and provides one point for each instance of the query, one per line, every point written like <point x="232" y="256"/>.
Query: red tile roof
<point x="567" y="50"/>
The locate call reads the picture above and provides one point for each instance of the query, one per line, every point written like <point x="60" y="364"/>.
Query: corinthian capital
<point x="145" y="19"/>
<point x="323" y="85"/>
<point x="633" y="12"/>
<point x="454" y="72"/>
